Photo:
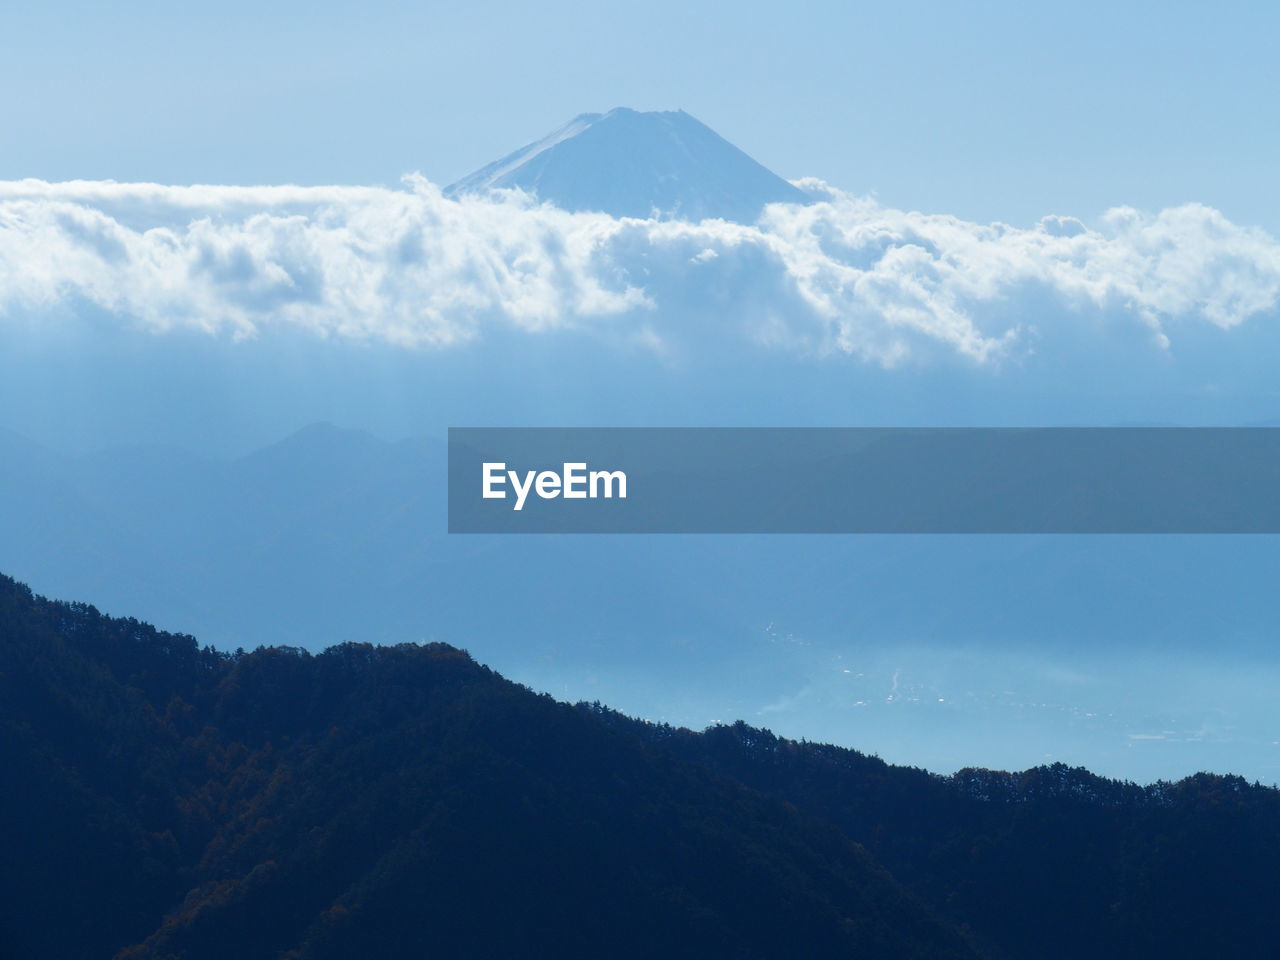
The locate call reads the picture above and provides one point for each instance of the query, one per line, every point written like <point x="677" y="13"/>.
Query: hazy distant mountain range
<point x="939" y="650"/>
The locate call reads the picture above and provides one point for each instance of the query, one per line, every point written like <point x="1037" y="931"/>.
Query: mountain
<point x="164" y="800"/>
<point x="1052" y="863"/>
<point x="167" y="801"/>
<point x="629" y="163"/>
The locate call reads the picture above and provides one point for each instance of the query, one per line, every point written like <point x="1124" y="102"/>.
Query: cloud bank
<point x="843" y="275"/>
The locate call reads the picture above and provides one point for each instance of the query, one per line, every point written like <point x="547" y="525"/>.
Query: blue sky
<point x="987" y="111"/>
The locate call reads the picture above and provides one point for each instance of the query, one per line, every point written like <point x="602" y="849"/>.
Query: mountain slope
<point x="1053" y="863"/>
<point x="397" y="801"/>
<point x="632" y="164"/>
<point x="376" y="801"/>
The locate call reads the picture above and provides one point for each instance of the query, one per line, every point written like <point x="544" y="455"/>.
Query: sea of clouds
<point x="407" y="266"/>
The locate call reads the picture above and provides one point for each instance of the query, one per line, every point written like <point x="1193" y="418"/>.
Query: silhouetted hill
<point x="384" y="802"/>
<point x="1052" y="862"/>
<point x="169" y="801"/>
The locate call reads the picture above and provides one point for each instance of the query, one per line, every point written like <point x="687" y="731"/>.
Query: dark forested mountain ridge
<point x="168" y="801"/>
<point x="1052" y="862"/>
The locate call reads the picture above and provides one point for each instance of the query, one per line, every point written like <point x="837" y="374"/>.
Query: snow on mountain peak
<point x="629" y="163"/>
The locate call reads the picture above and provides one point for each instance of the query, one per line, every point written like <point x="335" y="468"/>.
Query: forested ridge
<point x="164" y="800"/>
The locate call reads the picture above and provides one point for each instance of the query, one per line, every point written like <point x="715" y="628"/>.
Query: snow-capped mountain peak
<point x="636" y="164"/>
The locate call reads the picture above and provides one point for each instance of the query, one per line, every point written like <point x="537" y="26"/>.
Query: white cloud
<point x="843" y="275"/>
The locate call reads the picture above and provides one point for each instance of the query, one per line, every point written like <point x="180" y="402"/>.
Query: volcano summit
<point x="632" y="164"/>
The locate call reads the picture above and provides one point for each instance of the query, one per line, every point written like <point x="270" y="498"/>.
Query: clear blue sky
<point x="989" y="111"/>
